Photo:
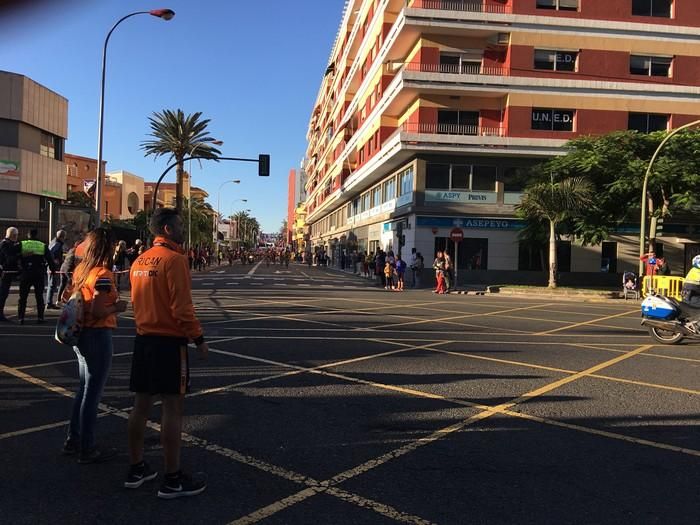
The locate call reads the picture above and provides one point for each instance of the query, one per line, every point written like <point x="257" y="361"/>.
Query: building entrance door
<point x="473" y="252"/>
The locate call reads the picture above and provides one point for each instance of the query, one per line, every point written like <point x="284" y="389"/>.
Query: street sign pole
<point x="456" y="234"/>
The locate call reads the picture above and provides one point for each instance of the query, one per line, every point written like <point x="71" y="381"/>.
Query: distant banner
<point x="89" y="187"/>
<point x="9" y="168"/>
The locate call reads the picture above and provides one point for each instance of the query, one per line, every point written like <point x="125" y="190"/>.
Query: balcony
<point x="454" y="69"/>
<point x="470" y="6"/>
<point x="453" y="129"/>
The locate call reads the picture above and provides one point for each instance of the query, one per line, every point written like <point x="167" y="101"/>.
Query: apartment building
<point x="33" y="130"/>
<point x="430" y="110"/>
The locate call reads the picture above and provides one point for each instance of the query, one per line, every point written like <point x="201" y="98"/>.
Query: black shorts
<point x="160" y="365"/>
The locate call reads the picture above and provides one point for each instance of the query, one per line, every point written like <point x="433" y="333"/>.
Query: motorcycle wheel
<point x="665" y="337"/>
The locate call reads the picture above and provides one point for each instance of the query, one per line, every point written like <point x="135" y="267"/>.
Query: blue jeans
<point x="94" y="352"/>
<point x="54" y="282"/>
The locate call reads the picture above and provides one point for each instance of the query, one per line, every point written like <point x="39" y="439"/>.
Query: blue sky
<point x="251" y="66"/>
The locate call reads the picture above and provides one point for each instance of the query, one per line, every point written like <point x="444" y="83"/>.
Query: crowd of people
<point x="165" y="320"/>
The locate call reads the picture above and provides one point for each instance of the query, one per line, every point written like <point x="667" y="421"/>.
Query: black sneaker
<point x="70" y="447"/>
<point x="182" y="485"/>
<point x="138" y="475"/>
<point x="96" y="455"/>
<point x="52" y="306"/>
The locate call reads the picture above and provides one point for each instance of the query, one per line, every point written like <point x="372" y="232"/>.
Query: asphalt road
<point x="326" y="400"/>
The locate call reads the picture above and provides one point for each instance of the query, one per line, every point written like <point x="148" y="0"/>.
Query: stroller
<point x="630" y="285"/>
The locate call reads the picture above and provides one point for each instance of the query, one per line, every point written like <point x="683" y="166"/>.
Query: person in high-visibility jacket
<point x="165" y="322"/>
<point x="34" y="258"/>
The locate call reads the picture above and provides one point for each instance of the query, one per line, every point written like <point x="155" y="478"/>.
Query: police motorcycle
<point x="670" y="321"/>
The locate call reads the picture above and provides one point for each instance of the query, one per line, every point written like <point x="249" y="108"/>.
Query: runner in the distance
<point x="165" y="323"/>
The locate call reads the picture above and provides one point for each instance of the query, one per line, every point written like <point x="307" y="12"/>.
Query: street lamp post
<point x="642" y="223"/>
<point x="164" y="14"/>
<point x="217" y="217"/>
<point x="189" y="191"/>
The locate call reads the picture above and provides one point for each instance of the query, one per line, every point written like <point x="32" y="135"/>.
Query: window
<point x="437" y="176"/>
<point x="514" y="179"/>
<point x="460" y="177"/>
<point x="376" y="196"/>
<point x="356" y="206"/>
<point x="455" y="122"/>
<point x="555" y="60"/>
<point x="660" y="8"/>
<point x="484" y="178"/>
<point x="389" y="189"/>
<point x="560" y="5"/>
<point x="48" y="146"/>
<point x="553" y="119"/>
<point x="406" y="182"/>
<point x="650" y="66"/>
<point x="365" y="202"/>
<point x="457" y="63"/>
<point x="647" y="122"/>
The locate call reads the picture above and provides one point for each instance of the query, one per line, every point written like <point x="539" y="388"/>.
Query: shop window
<point x="484" y="178"/>
<point x="660" y="8"/>
<point x="551" y="60"/>
<point x="461" y="176"/>
<point x="647" y="122"/>
<point x="552" y="119"/>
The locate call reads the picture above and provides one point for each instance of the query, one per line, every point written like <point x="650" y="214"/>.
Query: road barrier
<point x="664" y="285"/>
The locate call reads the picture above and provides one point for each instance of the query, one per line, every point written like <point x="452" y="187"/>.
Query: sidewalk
<point x="563" y="293"/>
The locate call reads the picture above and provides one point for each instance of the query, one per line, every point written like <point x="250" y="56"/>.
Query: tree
<point x="615" y="164"/>
<point x="178" y="136"/>
<point x="555" y="202"/>
<point x="284" y="232"/>
<point x="247" y="227"/>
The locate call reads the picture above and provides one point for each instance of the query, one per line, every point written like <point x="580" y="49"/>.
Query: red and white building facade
<point x="430" y="110"/>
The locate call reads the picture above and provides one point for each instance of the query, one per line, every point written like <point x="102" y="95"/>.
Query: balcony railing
<point x="453" y="129"/>
<point x="456" y="69"/>
<point x="471" y="6"/>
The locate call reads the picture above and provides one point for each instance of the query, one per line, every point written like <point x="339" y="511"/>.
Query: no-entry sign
<point x="457" y="235"/>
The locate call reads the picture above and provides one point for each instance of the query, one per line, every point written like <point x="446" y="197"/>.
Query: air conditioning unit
<point x="499" y="39"/>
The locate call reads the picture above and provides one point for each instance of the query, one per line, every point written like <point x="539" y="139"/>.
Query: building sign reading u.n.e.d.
<point x="552" y="119"/>
<point x="476" y="197"/>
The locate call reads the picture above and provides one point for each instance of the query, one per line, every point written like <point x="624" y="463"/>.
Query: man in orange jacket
<point x="165" y="322"/>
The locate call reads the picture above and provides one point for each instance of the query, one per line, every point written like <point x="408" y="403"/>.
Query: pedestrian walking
<point x="165" y="322"/>
<point x="35" y="259"/>
<point x="56" y="251"/>
<point x="9" y="266"/>
<point x="70" y="263"/>
<point x="119" y="262"/>
<point x="449" y="272"/>
<point x="101" y="304"/>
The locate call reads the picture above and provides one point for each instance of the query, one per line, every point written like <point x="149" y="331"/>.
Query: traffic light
<point x="263" y="165"/>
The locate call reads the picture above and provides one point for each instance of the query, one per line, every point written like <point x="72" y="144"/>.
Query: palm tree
<point x="177" y="136"/>
<point x="555" y="202"/>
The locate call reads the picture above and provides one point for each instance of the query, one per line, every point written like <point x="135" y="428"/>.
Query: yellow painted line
<point x="604" y="433"/>
<point x="462" y="316"/>
<point x="277" y="506"/>
<point x="651" y="355"/>
<point x="41" y="428"/>
<point x="584" y="323"/>
<point x="314" y="486"/>
<point x="380" y="508"/>
<point x="525" y="364"/>
<point x="464" y="325"/>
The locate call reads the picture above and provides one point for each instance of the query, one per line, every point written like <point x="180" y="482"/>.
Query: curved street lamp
<point x="642" y="223"/>
<point x="217" y="217"/>
<point x="163" y="14"/>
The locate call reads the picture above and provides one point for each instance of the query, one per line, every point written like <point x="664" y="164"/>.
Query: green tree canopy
<point x="177" y="136"/>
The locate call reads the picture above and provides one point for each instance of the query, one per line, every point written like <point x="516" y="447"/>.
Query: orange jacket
<point x="99" y="280"/>
<point x="161" y="292"/>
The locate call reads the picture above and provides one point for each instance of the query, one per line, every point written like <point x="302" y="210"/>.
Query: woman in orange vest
<point x="94" y="351"/>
